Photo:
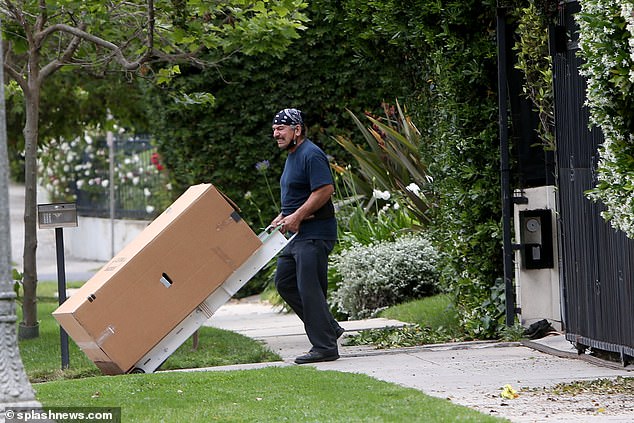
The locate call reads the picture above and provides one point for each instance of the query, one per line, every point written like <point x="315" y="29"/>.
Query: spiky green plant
<point x="394" y="161"/>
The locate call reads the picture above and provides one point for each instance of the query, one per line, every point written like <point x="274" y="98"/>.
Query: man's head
<point x="288" y="128"/>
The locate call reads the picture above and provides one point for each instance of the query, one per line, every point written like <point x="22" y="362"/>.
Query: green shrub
<point x="383" y="274"/>
<point x="364" y="221"/>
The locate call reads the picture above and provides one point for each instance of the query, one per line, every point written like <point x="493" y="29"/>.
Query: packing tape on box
<point x="90" y="345"/>
<point x="114" y="264"/>
<point x="107" y="333"/>
<point x="224" y="257"/>
<point x="233" y="218"/>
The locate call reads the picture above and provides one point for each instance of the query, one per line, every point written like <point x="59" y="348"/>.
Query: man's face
<point x="284" y="135"/>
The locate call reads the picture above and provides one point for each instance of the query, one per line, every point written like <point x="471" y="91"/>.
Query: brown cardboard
<point x="140" y="295"/>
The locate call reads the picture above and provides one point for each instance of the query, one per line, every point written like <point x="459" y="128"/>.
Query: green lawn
<point x="290" y="393"/>
<point x="433" y="312"/>
<point x="273" y="394"/>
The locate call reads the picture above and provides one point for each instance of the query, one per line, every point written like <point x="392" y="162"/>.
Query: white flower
<point x="413" y="188"/>
<point x="105" y="183"/>
<point x="607" y="46"/>
<point x="147" y="192"/>
<point x="80" y="183"/>
<point x="381" y="195"/>
<point x="149" y="209"/>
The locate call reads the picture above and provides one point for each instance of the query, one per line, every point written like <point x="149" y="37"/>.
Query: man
<point x="307" y="210"/>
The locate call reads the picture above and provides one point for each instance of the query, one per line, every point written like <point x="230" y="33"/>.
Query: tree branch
<point x="42" y="18"/>
<point x="18" y="16"/>
<point x="118" y="54"/>
<point x="65" y="58"/>
<point x="13" y="72"/>
<point x="19" y="78"/>
<point x="81" y="34"/>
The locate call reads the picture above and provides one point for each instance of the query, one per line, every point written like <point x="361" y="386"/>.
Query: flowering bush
<point x="81" y="165"/>
<point x="606" y="41"/>
<point x="382" y="274"/>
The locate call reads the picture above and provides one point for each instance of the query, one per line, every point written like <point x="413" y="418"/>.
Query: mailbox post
<point x="59" y="216"/>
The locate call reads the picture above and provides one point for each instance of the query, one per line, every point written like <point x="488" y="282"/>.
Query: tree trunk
<point x="15" y="389"/>
<point x="32" y="106"/>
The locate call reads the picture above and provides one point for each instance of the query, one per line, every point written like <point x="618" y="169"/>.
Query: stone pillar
<point x="15" y="389"/>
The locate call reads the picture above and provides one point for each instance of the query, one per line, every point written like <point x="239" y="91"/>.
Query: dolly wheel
<point x="137" y="370"/>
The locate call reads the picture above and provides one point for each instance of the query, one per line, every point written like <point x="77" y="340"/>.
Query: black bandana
<point x="289" y="117"/>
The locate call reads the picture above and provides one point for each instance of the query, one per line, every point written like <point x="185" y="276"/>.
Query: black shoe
<point x="316" y="357"/>
<point x="339" y="332"/>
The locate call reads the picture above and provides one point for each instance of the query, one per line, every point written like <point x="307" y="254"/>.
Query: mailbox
<point x="57" y="215"/>
<point x="536" y="236"/>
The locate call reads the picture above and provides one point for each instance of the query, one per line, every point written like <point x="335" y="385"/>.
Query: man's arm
<point x="317" y="198"/>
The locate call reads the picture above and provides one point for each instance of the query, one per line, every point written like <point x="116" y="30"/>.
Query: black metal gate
<point x="597" y="262"/>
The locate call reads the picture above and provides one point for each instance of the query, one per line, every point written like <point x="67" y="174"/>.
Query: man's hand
<point x="317" y="198"/>
<point x="277" y="221"/>
<point x="291" y="223"/>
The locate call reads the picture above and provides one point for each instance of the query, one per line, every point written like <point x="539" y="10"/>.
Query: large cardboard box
<point x="127" y="307"/>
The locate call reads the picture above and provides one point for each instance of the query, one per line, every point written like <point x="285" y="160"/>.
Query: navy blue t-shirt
<point x="305" y="170"/>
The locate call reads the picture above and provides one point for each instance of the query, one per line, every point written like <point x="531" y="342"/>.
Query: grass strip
<point x="272" y="394"/>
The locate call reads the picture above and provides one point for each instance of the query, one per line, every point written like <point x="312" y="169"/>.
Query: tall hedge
<point x="437" y="58"/>
<point x="463" y="127"/>
<point x="320" y="74"/>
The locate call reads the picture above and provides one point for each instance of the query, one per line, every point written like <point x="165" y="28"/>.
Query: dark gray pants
<point x="302" y="281"/>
